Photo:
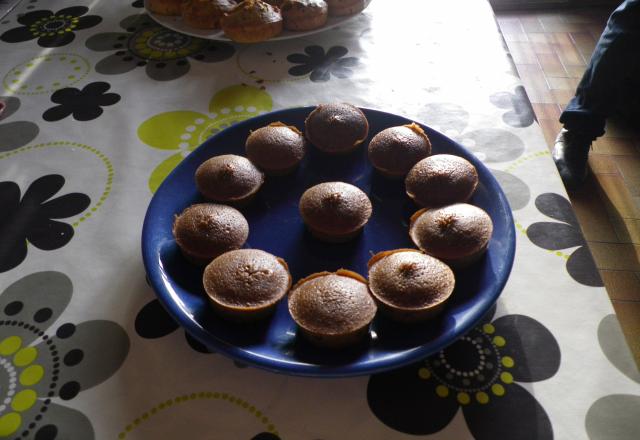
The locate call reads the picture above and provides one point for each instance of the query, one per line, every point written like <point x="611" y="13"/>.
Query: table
<point x="98" y="111"/>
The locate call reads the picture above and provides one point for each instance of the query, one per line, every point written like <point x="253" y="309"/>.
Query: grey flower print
<point x="44" y="362"/>
<point x="322" y="65"/>
<point x="15" y="134"/>
<point x="520" y="112"/>
<point x="489" y="144"/>
<point x="517" y="192"/>
<point x="615" y="415"/>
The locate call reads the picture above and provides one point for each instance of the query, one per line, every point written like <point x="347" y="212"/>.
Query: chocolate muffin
<point x="336" y="128"/>
<point x="456" y="234"/>
<point x="345" y="7"/>
<point x="246" y="284"/>
<point x="205" y="14"/>
<point x="332" y="309"/>
<point x="440" y="180"/>
<point x="335" y="211"/>
<point x="229" y="179"/>
<point x="277" y="148"/>
<point x="304" y="15"/>
<point x="164" y="7"/>
<point x="408" y="285"/>
<point x="252" y="21"/>
<point x="206" y="230"/>
<point x="395" y="150"/>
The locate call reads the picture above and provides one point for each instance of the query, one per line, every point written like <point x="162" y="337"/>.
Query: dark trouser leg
<point x="611" y="82"/>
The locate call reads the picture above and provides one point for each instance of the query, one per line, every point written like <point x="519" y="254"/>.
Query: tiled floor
<point x="551" y="50"/>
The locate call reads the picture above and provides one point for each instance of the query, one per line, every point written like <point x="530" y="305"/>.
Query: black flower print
<point x="322" y="65"/>
<point x="479" y="375"/>
<point x="265" y="436"/>
<point x="51" y="29"/>
<point x="17" y="133"/>
<point x="84" y="105"/>
<point x="154" y="322"/>
<point x="567" y="234"/>
<point x="34" y="218"/>
<point x="44" y="365"/>
<point x="520" y="112"/>
<point x="163" y="53"/>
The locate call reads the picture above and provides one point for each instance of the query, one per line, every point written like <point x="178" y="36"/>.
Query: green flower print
<point x="42" y="359"/>
<point x="182" y="131"/>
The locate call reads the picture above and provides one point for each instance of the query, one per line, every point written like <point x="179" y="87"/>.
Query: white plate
<point x="175" y="23"/>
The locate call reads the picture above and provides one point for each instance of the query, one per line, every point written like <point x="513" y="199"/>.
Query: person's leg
<point x="602" y="91"/>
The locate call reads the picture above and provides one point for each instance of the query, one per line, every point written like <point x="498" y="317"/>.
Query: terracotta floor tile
<point x="593" y="217"/>
<point x="616" y="256"/>
<point x="575" y="71"/>
<point x="541" y="48"/>
<point x="510" y="38"/>
<point x="538" y="37"/>
<point x="616" y="196"/>
<point x="565" y="49"/>
<point x="602" y="163"/>
<point x="585" y="43"/>
<point x="557" y="24"/>
<point x="579" y="17"/>
<point x="510" y="24"/>
<point x="562" y="83"/>
<point x="546" y="111"/>
<point x="627" y="229"/>
<point x="615" y="145"/>
<point x="621" y="285"/>
<point x="522" y="52"/>
<point x="629" y="167"/>
<point x="550" y="129"/>
<point x="551" y="65"/>
<point x="530" y="23"/>
<point x="629" y="316"/>
<point x="618" y="129"/>
<point x="535" y="83"/>
<point x="562" y="97"/>
<point x="595" y="29"/>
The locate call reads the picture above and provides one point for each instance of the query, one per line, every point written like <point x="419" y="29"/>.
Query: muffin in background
<point x="205" y="14"/>
<point x="164" y="7"/>
<point x="304" y="15"/>
<point x="252" y="21"/>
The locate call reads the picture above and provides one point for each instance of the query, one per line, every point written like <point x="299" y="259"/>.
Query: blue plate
<point x="276" y="227"/>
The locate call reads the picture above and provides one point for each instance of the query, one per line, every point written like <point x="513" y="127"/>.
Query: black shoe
<point x="570" y="153"/>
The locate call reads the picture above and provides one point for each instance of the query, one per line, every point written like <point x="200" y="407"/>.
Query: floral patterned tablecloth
<point x="100" y="104"/>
